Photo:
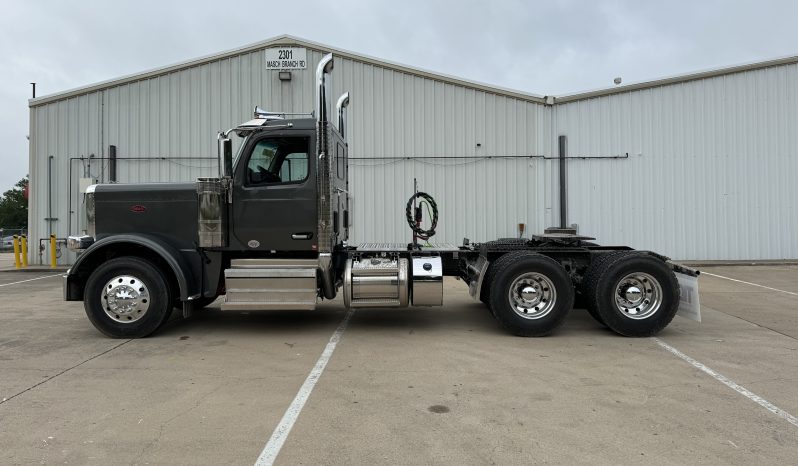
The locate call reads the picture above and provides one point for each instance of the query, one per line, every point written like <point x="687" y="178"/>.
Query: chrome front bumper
<point x="79" y="243"/>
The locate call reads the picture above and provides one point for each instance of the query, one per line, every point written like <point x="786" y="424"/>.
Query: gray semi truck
<point x="271" y="232"/>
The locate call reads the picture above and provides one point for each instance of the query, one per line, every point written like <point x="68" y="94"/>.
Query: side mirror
<point x="227" y="154"/>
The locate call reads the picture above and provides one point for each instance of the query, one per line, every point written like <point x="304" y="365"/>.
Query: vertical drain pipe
<point x="50" y="195"/>
<point x="112" y="163"/>
<point x="563" y="143"/>
<point x="50" y="192"/>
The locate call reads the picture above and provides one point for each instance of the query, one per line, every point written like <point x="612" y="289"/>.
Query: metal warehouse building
<point x="700" y="166"/>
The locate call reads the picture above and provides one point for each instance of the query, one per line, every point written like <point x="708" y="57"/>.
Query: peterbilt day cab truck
<point x="271" y="232"/>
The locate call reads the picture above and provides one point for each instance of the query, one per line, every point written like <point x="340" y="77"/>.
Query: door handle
<point x="301" y="235"/>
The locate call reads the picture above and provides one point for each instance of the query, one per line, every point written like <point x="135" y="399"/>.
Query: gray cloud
<point x="551" y="47"/>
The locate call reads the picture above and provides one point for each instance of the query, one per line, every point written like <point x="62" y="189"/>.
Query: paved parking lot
<point x="416" y="386"/>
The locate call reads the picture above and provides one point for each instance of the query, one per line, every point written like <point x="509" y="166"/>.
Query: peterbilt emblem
<point x="138" y="208"/>
<point x="253" y="243"/>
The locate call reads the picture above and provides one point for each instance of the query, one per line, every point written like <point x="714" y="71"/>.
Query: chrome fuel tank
<point x="376" y="282"/>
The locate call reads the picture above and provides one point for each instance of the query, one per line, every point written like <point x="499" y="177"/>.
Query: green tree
<point x="14" y="206"/>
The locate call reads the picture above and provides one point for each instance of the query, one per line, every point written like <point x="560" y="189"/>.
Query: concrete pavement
<point x="416" y="386"/>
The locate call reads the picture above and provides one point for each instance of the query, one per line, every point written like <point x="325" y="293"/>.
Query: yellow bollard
<point x="16" y="251"/>
<point x="24" y="250"/>
<point x="53" y="259"/>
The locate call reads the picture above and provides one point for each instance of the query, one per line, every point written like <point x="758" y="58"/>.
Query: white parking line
<point x="748" y="283"/>
<point x="731" y="384"/>
<point x="37" y="278"/>
<point x="275" y="443"/>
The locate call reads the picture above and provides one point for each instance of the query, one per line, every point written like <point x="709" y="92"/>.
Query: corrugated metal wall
<point x="171" y="120"/>
<point x="709" y="174"/>
<point x="711" y="168"/>
<point x="400" y="121"/>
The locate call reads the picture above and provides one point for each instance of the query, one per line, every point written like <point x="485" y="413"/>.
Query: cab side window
<point x="278" y="161"/>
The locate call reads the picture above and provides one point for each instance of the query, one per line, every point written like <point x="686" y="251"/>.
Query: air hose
<point x="415" y="221"/>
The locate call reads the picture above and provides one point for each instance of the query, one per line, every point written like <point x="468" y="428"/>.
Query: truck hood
<point x="163" y="209"/>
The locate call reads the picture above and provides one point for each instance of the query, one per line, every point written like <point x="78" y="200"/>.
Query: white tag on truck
<point x="689" y="307"/>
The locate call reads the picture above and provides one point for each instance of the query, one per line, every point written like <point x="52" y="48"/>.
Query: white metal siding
<point x="711" y="168"/>
<point x="398" y="121"/>
<point x="709" y="174"/>
<point x="169" y="117"/>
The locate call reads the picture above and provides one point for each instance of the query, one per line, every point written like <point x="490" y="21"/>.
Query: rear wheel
<point x="127" y="297"/>
<point x="500" y="245"/>
<point x="635" y="294"/>
<point x="531" y="294"/>
<point x="485" y="294"/>
<point x="587" y="290"/>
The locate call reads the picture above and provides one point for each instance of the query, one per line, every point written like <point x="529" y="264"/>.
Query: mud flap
<point x="689" y="306"/>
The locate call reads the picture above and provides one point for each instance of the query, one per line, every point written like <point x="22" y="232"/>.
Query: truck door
<point x="274" y="199"/>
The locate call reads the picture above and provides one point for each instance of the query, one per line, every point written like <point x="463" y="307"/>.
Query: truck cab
<point x="263" y="233"/>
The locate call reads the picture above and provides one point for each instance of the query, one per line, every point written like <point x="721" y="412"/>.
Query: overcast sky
<point x="544" y="47"/>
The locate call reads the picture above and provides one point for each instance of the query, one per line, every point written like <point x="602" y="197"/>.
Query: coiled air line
<point x="415" y="221"/>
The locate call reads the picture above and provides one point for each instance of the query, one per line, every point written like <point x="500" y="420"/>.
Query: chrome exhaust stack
<point x="343" y="102"/>
<point x="324" y="68"/>
<point x="323" y="175"/>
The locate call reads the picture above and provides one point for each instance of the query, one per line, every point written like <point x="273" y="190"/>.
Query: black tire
<point x="654" y="293"/>
<point x="485" y="292"/>
<point x="547" y="277"/>
<point x="587" y="290"/>
<point x="150" y="282"/>
<point x="499" y="245"/>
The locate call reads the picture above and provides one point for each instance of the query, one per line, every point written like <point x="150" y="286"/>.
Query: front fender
<point x="128" y="244"/>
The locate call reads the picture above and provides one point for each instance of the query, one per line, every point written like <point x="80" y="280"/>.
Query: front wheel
<point x="127" y="297"/>
<point x="530" y="294"/>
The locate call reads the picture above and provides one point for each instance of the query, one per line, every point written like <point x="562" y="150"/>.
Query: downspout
<point x="563" y="143"/>
<point x="50" y="194"/>
<point x="69" y="198"/>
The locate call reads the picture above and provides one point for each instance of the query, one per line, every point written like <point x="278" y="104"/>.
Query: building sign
<point x="286" y="58"/>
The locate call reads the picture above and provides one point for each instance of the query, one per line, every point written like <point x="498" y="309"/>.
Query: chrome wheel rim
<point x="532" y="295"/>
<point x="638" y="296"/>
<point x="125" y="299"/>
